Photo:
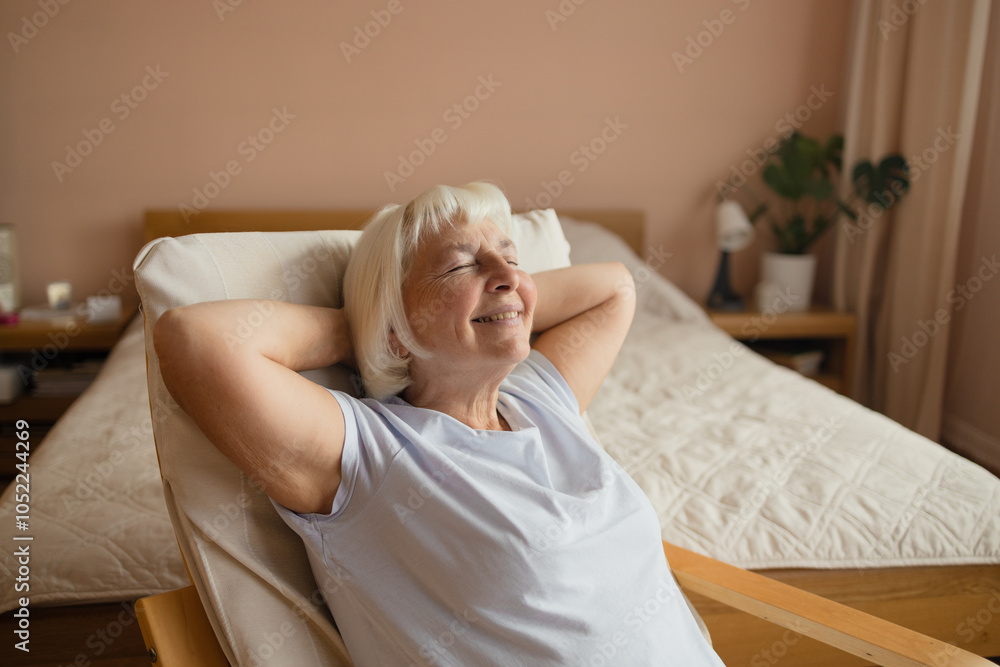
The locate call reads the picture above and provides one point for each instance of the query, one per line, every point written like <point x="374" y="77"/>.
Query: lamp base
<point x="733" y="304"/>
<point x="722" y="296"/>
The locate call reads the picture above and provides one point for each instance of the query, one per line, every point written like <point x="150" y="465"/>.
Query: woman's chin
<point x="514" y="352"/>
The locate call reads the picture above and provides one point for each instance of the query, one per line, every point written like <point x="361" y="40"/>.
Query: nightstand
<point x="50" y="344"/>
<point x="819" y="327"/>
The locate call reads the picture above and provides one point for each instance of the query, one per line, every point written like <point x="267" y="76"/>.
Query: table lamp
<point x="10" y="278"/>
<point x="734" y="231"/>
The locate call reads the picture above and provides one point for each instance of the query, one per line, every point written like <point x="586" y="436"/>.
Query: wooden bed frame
<point x="959" y="605"/>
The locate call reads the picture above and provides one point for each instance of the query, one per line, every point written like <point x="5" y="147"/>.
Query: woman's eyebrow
<point x="448" y="253"/>
<point x="471" y="249"/>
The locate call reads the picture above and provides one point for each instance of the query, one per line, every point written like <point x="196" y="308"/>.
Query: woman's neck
<point x="472" y="403"/>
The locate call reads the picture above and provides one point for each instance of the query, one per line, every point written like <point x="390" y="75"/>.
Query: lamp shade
<point x="10" y="278"/>
<point x="734" y="231"/>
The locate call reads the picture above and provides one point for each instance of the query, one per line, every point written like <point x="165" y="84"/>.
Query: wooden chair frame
<point x="178" y="633"/>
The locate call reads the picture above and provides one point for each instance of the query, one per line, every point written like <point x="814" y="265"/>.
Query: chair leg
<point x="177" y="631"/>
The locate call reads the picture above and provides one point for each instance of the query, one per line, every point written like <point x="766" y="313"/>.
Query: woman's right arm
<point x="232" y="366"/>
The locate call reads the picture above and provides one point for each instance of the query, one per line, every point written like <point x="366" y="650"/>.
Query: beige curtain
<point x="914" y="71"/>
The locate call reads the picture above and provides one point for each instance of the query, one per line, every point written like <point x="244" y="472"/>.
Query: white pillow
<point x="245" y="562"/>
<point x="654" y="293"/>
<point x="538" y="237"/>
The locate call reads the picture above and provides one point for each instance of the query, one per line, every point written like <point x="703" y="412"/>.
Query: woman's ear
<point x="397" y="347"/>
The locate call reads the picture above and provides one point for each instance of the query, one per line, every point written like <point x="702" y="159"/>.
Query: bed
<point x="762" y="468"/>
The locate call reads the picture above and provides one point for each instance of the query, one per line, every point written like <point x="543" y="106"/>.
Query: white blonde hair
<point x="380" y="264"/>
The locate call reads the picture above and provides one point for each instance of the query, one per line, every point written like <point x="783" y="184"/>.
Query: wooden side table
<point x="830" y="331"/>
<point x="44" y="344"/>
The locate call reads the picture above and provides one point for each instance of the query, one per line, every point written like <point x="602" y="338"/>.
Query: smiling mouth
<point x="509" y="315"/>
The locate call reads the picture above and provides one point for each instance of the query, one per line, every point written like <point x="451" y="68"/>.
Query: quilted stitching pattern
<point x="753" y="464"/>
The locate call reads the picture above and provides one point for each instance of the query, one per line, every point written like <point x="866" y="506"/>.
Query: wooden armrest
<point x="830" y="622"/>
<point x="177" y="631"/>
<point x="174" y="625"/>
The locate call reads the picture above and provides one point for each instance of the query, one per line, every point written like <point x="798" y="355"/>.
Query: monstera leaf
<point x="804" y="172"/>
<point x="887" y="182"/>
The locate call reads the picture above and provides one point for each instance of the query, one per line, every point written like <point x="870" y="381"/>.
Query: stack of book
<point x="65" y="381"/>
<point x="800" y="357"/>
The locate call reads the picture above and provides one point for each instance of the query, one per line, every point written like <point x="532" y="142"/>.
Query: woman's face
<point x="467" y="302"/>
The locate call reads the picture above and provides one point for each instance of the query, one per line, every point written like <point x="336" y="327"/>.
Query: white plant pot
<point x="786" y="282"/>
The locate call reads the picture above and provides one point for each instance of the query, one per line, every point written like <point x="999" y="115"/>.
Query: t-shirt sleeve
<point x="551" y="381"/>
<point x="349" y="464"/>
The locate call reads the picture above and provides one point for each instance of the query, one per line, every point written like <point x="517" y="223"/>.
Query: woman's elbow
<point x="176" y="342"/>
<point x="624" y="289"/>
<point x="166" y="333"/>
<point x="624" y="282"/>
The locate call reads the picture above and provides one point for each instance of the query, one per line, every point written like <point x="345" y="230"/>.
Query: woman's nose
<point x="503" y="276"/>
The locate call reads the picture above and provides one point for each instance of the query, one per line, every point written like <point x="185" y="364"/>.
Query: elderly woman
<point x="461" y="513"/>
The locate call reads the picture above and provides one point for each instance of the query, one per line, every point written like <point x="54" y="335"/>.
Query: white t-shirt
<point x="448" y="545"/>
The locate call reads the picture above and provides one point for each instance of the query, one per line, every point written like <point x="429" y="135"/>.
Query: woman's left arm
<point x="583" y="313"/>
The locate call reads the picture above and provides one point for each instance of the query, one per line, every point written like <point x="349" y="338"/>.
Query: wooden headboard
<point x="629" y="224"/>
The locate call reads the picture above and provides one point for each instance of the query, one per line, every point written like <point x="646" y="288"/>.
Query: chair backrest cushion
<point x="250" y="569"/>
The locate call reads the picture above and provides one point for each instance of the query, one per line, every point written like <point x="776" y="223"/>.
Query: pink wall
<point x="556" y="86"/>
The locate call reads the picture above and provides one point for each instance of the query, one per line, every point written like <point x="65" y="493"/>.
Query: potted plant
<point x="802" y="172"/>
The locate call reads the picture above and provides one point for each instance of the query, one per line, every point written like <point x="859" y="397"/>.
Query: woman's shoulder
<point x="369" y="410"/>
<point x="390" y="420"/>
<point x="537" y="377"/>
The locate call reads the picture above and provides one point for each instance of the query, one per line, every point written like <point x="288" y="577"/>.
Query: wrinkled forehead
<point x="461" y="236"/>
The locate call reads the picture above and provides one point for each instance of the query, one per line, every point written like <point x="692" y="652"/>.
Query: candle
<point x="60" y="294"/>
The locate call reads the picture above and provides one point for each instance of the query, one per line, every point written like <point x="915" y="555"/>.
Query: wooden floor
<point x="107" y="635"/>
